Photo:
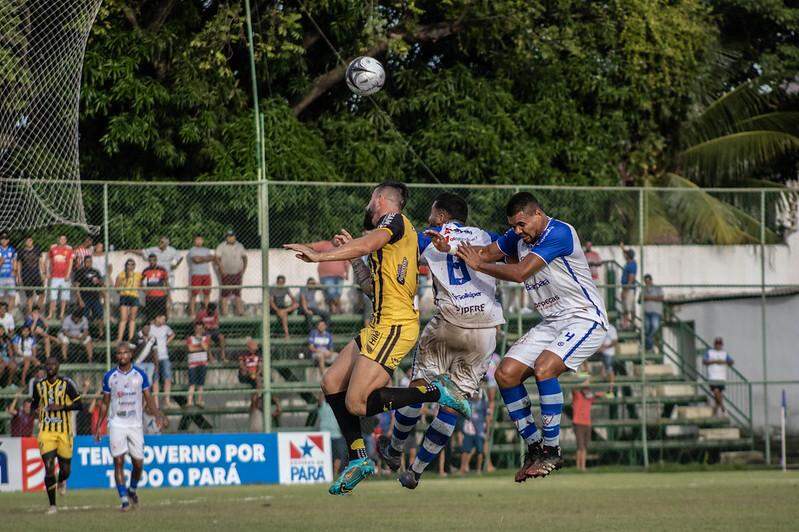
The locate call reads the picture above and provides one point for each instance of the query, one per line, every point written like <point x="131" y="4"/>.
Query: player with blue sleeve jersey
<point x="459" y="339"/>
<point x="554" y="270"/>
<point x="126" y="392"/>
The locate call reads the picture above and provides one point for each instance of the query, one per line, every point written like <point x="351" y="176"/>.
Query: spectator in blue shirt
<point x="320" y="344"/>
<point x="474" y="432"/>
<point x="8" y="271"/>
<point x="628" y="274"/>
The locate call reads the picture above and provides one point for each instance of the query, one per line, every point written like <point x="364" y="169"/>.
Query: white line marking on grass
<point x="165" y="502"/>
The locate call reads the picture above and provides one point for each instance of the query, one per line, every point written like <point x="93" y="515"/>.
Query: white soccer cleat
<point x="52" y="510"/>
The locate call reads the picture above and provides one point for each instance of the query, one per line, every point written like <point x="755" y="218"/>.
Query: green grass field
<point x="739" y="500"/>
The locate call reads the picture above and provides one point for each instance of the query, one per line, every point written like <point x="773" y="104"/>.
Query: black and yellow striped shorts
<point x="388" y="344"/>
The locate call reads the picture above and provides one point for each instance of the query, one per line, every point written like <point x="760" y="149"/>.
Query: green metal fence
<point x="127" y="218"/>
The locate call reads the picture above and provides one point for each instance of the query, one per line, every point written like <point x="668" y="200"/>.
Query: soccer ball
<point x="365" y="76"/>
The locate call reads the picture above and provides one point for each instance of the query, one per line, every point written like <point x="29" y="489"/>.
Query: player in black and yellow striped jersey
<point x="356" y="383"/>
<point x="55" y="397"/>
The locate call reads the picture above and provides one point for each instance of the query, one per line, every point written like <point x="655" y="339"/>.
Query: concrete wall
<point x="738" y="321"/>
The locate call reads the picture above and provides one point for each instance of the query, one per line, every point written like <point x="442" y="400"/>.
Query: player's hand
<point x="440" y="242"/>
<point x="470" y="255"/>
<point x="342" y="238"/>
<point x="161" y="421"/>
<point x="304" y="252"/>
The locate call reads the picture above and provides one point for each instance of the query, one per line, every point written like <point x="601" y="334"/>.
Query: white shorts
<point x="126" y="440"/>
<point x="461" y="353"/>
<point x="573" y="340"/>
<point x="59" y="288"/>
<point x="64" y="339"/>
<point x="7" y="286"/>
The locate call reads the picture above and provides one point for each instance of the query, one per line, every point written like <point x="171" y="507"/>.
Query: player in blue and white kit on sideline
<point x="460" y="338"/>
<point x="126" y="390"/>
<point x="553" y="268"/>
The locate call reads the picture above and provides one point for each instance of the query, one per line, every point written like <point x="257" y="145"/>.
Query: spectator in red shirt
<point x="209" y="317"/>
<point x="22" y="419"/>
<point x="59" y="272"/>
<point x="582" y="399"/>
<point x="250" y="364"/>
<point x="594" y="261"/>
<point x="84" y="249"/>
<point x="332" y="275"/>
<point x="156" y="279"/>
<point x="197" y="345"/>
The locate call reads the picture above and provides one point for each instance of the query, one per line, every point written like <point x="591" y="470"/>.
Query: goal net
<point x="42" y="43"/>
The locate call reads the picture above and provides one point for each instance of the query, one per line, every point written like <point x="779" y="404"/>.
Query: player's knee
<point x="545" y="368"/>
<point x="506" y="378"/>
<point x="328" y="384"/>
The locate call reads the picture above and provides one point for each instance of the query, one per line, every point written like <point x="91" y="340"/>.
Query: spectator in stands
<point x="332" y="275"/>
<point x="474" y="432"/>
<point x="8" y="364"/>
<point x="231" y="263"/>
<point x="197" y="345"/>
<point x="491" y="394"/>
<point x="320" y="343"/>
<point x="209" y="317"/>
<point x="146" y="357"/>
<point x="327" y="423"/>
<point x="25" y="351"/>
<point x="199" y="259"/>
<point x="91" y="301"/>
<point x="652" y="298"/>
<point x="594" y="261"/>
<point x="628" y="274"/>
<point x="100" y="261"/>
<point x="59" y="272"/>
<point x="6" y="319"/>
<point x="250" y="364"/>
<point x="308" y="305"/>
<point x="582" y="399"/>
<point x="282" y="303"/>
<point x="155" y="279"/>
<point x="163" y="335"/>
<point x="608" y="350"/>
<point x="717" y="360"/>
<point x="9" y="271"/>
<point x="32" y="271"/>
<point x="22" y="418"/>
<point x="166" y="256"/>
<point x="83" y="417"/>
<point x="128" y="283"/>
<point x="83" y="250"/>
<point x="38" y="329"/>
<point x="75" y="330"/>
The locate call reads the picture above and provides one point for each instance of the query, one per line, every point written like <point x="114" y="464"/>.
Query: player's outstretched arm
<point x="516" y="272"/>
<point x="357" y="247"/>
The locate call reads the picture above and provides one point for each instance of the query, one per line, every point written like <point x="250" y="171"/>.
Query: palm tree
<point x="723" y="146"/>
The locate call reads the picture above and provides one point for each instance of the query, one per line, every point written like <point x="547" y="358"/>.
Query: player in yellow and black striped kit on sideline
<point x="55" y="397"/>
<point x="356" y="383"/>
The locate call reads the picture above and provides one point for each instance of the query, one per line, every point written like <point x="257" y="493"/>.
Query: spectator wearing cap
<point x="155" y="281"/>
<point x="320" y="344"/>
<point x="594" y="261"/>
<point x="717" y="360"/>
<point x="231" y="263"/>
<point x="628" y="274"/>
<point x="32" y="271"/>
<point x="9" y="271"/>
<point x="652" y="299"/>
<point x="199" y="259"/>
<point x="332" y="275"/>
<point x="75" y="330"/>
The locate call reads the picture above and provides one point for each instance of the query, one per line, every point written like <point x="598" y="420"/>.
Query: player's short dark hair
<point x="521" y="201"/>
<point x="454" y="205"/>
<point x="401" y="189"/>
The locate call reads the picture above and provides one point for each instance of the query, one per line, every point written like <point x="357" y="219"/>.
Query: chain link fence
<point x="209" y="245"/>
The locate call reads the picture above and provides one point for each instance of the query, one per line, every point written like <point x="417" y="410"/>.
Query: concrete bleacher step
<point x="656" y="370"/>
<point x="694" y="412"/>
<point x="673" y="390"/>
<point x="742" y="457"/>
<point x="628" y="348"/>
<point x="717" y="434"/>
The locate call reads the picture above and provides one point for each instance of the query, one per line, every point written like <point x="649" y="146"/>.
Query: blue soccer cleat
<point x="451" y="396"/>
<point x="356" y="471"/>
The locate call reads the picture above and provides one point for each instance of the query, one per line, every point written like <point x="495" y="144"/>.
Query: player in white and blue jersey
<point x="126" y="390"/>
<point x="551" y="264"/>
<point x="460" y="338"/>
